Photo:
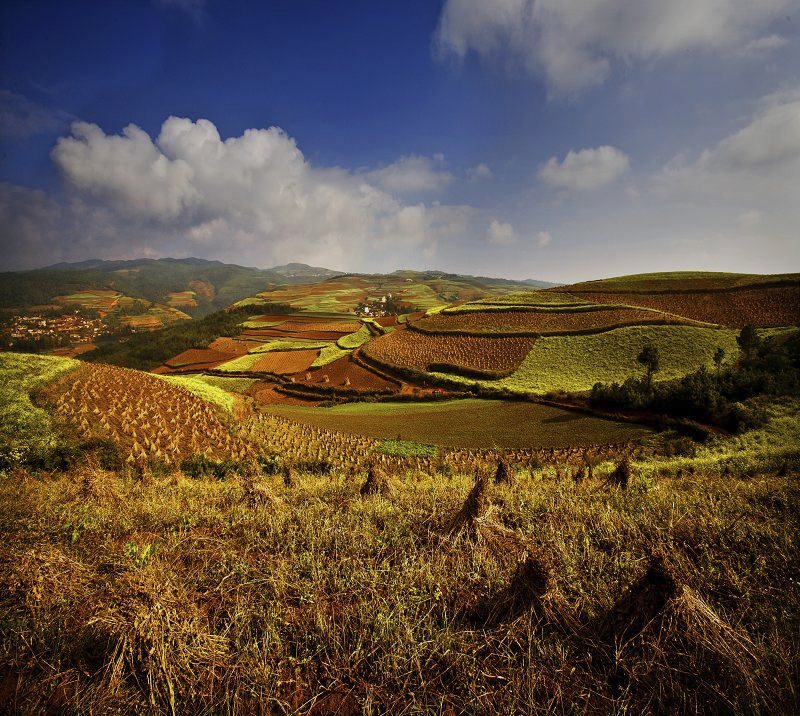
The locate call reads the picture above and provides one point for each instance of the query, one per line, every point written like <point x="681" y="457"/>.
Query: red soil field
<point x="412" y="349"/>
<point x="232" y="346"/>
<point x="266" y="394"/>
<point x="289" y="335"/>
<point x="339" y="371"/>
<point x="319" y="326"/>
<point x="762" y="307"/>
<point x="488" y="322"/>
<point x="285" y="362"/>
<point x="198" y="356"/>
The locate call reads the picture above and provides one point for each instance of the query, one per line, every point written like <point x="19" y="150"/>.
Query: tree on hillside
<point x="749" y="341"/>
<point x="719" y="356"/>
<point x="649" y="358"/>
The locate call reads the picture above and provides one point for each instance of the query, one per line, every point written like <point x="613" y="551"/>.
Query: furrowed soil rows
<point x="285" y="362"/>
<point x="412" y="349"/>
<point x="762" y="307"/>
<point x="345" y="373"/>
<point x="198" y="356"/>
<point x="544" y="322"/>
<point x="231" y="346"/>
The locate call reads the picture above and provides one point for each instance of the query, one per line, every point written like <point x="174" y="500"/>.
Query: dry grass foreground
<point x="543" y="594"/>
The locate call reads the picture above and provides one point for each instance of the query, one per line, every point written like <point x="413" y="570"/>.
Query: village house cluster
<point x="52" y="331"/>
<point x="375" y="307"/>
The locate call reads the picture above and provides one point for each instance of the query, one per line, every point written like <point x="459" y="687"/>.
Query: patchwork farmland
<point x="445" y="488"/>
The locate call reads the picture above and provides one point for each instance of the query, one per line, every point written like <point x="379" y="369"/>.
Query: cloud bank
<point x="573" y="44"/>
<point x="254" y="196"/>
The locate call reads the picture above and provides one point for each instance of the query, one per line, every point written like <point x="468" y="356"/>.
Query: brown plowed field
<point x="285" y="362"/>
<point x="488" y="322"/>
<point x="412" y="349"/>
<point x="763" y="307"/>
<point x="266" y="394"/>
<point x="198" y="356"/>
<point x="319" y="326"/>
<point x="232" y="346"/>
<point x="288" y="335"/>
<point x="339" y="371"/>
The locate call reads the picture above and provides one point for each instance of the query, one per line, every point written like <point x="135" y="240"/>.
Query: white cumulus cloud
<point x="501" y="233"/>
<point x="480" y="171"/>
<point x="543" y="239"/>
<point x="252" y="198"/>
<point x="412" y="175"/>
<point x="586" y="169"/>
<point x="573" y="44"/>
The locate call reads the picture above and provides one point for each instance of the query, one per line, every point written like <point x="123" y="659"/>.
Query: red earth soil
<point x="231" y="345"/>
<point x="762" y="307"/>
<point x="541" y="322"/>
<point x="285" y="362"/>
<point x="198" y="356"/>
<point x="339" y="371"/>
<point x="412" y="349"/>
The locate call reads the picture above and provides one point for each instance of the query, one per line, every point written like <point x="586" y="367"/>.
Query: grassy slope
<point x="202" y="389"/>
<point x="466" y="423"/>
<point x="24" y="428"/>
<point x="576" y="363"/>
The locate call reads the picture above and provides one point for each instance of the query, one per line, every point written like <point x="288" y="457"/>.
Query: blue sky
<point x="554" y="139"/>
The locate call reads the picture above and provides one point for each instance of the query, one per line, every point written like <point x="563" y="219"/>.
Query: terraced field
<point x="412" y="349"/>
<point x="581" y="319"/>
<point x="762" y="307"/>
<point x="285" y="362"/>
<point x="98" y="299"/>
<point x="576" y="363"/>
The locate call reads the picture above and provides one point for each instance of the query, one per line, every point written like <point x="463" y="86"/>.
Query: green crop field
<point x="576" y="363"/>
<point x="25" y="429"/>
<point x="289" y="345"/>
<point x="466" y="423"/>
<point x="354" y="340"/>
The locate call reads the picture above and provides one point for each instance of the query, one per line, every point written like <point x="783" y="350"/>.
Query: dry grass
<point x="169" y="595"/>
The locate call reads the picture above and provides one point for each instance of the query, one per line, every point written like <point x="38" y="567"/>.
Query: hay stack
<point x="503" y="474"/>
<point x="290" y="477"/>
<point x="376" y="483"/>
<point x="465" y="520"/>
<point x="622" y="475"/>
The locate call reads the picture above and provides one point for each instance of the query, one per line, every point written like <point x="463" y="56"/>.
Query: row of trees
<point x="764" y="367"/>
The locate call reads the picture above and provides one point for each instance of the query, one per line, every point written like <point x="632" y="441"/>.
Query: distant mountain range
<point x="215" y="284"/>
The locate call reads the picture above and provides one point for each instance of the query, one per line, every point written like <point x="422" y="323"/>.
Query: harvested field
<point x="344" y="373"/>
<point x="232" y="346"/>
<point x="285" y="362"/>
<point x="198" y="356"/>
<point x="762" y="307"/>
<point x="147" y="416"/>
<point x="412" y="349"/>
<point x="543" y="322"/>
<point x="468" y="424"/>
